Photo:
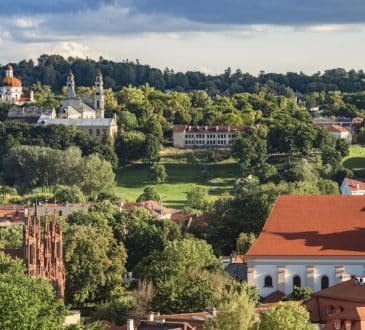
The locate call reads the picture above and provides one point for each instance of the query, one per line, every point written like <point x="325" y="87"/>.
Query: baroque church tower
<point x="71" y="85"/>
<point x="99" y="101"/>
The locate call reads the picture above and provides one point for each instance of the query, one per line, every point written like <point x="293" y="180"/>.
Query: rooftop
<point x="211" y="129"/>
<point x="355" y="185"/>
<point x="313" y="226"/>
<point x="337" y="129"/>
<point x="78" y="122"/>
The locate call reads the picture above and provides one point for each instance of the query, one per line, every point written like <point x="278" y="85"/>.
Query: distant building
<point x="185" y="136"/>
<point x="11" y="90"/>
<point x="352" y="187"/>
<point x="85" y="114"/>
<point x="340" y="132"/>
<point x="30" y="114"/>
<point x="339" y="307"/>
<point x="106" y="127"/>
<point x="154" y="208"/>
<point x="308" y="241"/>
<point x="237" y="267"/>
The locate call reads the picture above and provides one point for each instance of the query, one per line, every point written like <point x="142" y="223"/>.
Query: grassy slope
<point x="356" y="160"/>
<point x="132" y="179"/>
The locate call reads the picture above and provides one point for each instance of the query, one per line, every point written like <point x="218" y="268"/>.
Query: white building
<point x="11" y="90"/>
<point x="338" y="131"/>
<point x="308" y="241"/>
<point x="352" y="187"/>
<point x="185" y="136"/>
<point x="84" y="114"/>
<point x="74" y="107"/>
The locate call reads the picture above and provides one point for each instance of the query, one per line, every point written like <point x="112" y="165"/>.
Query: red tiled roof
<point x="274" y="297"/>
<point x="337" y="129"/>
<point x="355" y="184"/>
<point x="321" y="226"/>
<point x="346" y="290"/>
<point x="11" y="82"/>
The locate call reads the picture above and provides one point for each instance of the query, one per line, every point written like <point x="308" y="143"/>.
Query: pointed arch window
<point x="324" y="282"/>
<point x="297" y="281"/>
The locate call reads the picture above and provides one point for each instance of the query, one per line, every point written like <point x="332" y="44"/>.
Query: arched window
<point x="324" y="282"/>
<point x="268" y="282"/>
<point x="297" y="281"/>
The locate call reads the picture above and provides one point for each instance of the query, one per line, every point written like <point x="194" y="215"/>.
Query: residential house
<point x="308" y="241"/>
<point x="186" y="136"/>
<point x="352" y="187"/>
<point x="340" y="132"/>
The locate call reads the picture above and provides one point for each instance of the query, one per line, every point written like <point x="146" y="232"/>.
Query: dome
<point x="11" y="82"/>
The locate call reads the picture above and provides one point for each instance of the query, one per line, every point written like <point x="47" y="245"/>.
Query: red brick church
<point x="42" y="251"/>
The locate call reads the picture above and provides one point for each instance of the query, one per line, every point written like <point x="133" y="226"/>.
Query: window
<point x="268" y="282"/>
<point x="330" y="310"/>
<point x="296" y="281"/>
<point x="60" y="213"/>
<point x="98" y="132"/>
<point x="324" y="282"/>
<point x="90" y="131"/>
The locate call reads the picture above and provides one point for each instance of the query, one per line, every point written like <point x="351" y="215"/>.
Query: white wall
<point x="298" y="267"/>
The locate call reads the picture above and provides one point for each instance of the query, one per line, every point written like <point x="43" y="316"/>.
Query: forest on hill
<point x="52" y="70"/>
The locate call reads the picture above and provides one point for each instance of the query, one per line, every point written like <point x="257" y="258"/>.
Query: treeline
<point x="52" y="70"/>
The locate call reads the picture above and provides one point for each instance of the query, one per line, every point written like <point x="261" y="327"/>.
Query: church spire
<point x="99" y="100"/>
<point x="71" y="85"/>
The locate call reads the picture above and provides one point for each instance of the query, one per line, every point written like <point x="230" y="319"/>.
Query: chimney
<point x="130" y="324"/>
<point x="358" y="186"/>
<point x="151" y="316"/>
<point x="229" y="128"/>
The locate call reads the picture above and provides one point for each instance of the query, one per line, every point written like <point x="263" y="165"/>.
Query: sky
<point x="206" y="35"/>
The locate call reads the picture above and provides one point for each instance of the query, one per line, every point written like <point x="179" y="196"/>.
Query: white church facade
<point x="308" y="241"/>
<point x="84" y="113"/>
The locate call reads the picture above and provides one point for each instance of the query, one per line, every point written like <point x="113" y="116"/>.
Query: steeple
<point x="71" y="85"/>
<point x="99" y="96"/>
<point x="9" y="72"/>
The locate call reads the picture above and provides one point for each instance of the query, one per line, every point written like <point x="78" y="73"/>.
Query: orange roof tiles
<point x="274" y="297"/>
<point x="11" y="82"/>
<point x="337" y="129"/>
<point x="346" y="290"/>
<point x="322" y="226"/>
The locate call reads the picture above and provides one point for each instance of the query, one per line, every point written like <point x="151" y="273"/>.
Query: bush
<point x="68" y="194"/>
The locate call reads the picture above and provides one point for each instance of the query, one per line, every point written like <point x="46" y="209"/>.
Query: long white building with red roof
<point x="308" y="241"/>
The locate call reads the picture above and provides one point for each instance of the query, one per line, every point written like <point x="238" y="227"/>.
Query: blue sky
<point x="207" y="35"/>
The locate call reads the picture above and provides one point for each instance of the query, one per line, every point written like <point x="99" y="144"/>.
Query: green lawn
<point x="356" y="160"/>
<point x="217" y="178"/>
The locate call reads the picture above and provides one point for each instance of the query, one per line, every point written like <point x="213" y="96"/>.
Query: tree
<point x="66" y="194"/>
<point x="159" y="174"/>
<point x="244" y="242"/>
<point x="250" y="148"/>
<point x="152" y="148"/>
<point x="149" y="194"/>
<point x="289" y="316"/>
<point x="94" y="264"/>
<point x="130" y="146"/>
<point x="300" y="293"/>
<point x="233" y="313"/>
<point x="25" y="302"/>
<point x="141" y="234"/>
<point x="183" y="274"/>
<point x="96" y="175"/>
<point x="197" y="199"/>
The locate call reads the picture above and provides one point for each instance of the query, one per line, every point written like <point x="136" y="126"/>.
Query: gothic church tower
<point x="71" y="85"/>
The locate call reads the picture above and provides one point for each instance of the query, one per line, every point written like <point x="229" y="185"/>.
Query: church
<point x="84" y="113"/>
<point x="41" y="251"/>
<point x="11" y="90"/>
<point x="308" y="241"/>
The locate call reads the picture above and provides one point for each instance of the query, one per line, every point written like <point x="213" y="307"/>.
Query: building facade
<point x="42" y="251"/>
<point x="85" y="114"/>
<point x="30" y="114"/>
<point x="11" y="90"/>
<point x="308" y="241"/>
<point x="185" y="136"/>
